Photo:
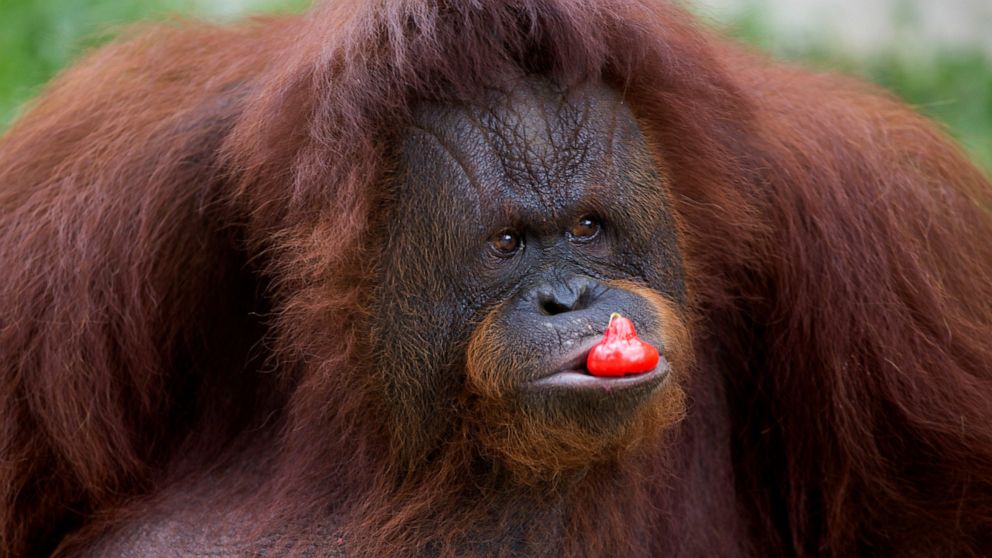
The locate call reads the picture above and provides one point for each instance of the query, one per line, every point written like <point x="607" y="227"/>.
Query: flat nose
<point x="570" y="295"/>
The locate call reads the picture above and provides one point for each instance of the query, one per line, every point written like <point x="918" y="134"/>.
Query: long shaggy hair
<point x="188" y="223"/>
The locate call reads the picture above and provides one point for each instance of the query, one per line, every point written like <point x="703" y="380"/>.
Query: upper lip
<point x="574" y="360"/>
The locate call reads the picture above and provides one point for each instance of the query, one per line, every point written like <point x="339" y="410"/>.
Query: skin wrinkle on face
<point x="452" y="153"/>
<point x="540" y="144"/>
<point x="573" y="123"/>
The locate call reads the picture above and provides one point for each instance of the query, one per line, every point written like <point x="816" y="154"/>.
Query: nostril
<point x="552" y="307"/>
<point x="565" y="297"/>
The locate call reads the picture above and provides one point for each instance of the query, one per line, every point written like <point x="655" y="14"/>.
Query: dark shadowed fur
<point x="189" y="225"/>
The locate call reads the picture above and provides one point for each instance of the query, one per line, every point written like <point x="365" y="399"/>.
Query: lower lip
<point x="582" y="380"/>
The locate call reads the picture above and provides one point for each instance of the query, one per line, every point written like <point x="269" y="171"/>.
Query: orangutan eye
<point x="506" y="243"/>
<point x="584" y="229"/>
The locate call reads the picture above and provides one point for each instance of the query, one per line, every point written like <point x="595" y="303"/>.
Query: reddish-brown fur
<point x="190" y="188"/>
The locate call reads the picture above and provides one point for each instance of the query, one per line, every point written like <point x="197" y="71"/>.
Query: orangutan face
<point x="518" y="227"/>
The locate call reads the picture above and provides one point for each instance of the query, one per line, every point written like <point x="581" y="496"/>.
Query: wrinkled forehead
<point x="530" y="140"/>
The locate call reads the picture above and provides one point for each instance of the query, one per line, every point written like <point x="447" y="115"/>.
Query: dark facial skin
<point x="518" y="226"/>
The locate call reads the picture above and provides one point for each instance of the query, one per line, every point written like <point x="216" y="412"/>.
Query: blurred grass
<point x="952" y="87"/>
<point x="39" y="37"/>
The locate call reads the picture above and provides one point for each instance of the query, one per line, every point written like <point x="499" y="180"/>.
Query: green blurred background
<point x="951" y="82"/>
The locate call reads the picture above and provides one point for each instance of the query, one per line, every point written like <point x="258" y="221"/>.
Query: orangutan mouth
<point x="573" y="375"/>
